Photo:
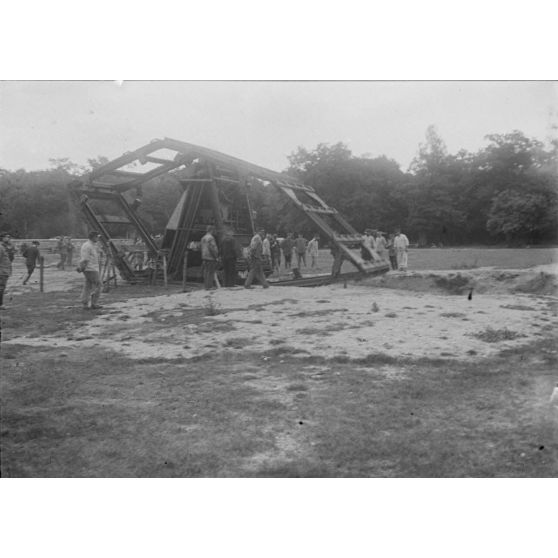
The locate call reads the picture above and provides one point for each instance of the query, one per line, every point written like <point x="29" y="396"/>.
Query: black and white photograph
<point x="278" y="280"/>
<point x="307" y="279"/>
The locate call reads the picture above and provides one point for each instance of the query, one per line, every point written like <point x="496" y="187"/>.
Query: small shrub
<point x="211" y="307"/>
<point x="491" y="335"/>
<point x="517" y="307"/>
<point x="297" y="387"/>
<point x="452" y="315"/>
<point x="238" y="342"/>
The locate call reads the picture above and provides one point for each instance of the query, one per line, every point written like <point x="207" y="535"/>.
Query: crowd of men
<point x="267" y="248"/>
<point x="375" y="247"/>
<point x="264" y="249"/>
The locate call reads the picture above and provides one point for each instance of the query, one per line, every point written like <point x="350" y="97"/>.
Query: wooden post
<point x="42" y="273"/>
<point x="184" y="271"/>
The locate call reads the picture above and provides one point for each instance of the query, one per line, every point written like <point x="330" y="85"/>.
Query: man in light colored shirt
<point x="255" y="261"/>
<point x="210" y="255"/>
<point x="89" y="265"/>
<point x="266" y="247"/>
<point x="313" y="250"/>
<point x="381" y="244"/>
<point x="401" y="245"/>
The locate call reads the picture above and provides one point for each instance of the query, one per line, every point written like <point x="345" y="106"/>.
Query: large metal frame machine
<point x="216" y="190"/>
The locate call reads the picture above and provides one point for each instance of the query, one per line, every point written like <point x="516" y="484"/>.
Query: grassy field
<point x="457" y="258"/>
<point x="90" y="412"/>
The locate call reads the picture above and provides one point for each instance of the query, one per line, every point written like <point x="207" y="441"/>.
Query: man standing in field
<point x="275" y="253"/>
<point x="313" y="250"/>
<point x="391" y="252"/>
<point x="5" y="266"/>
<point x="381" y="245"/>
<point x="31" y="255"/>
<point x="210" y="255"/>
<point x="266" y="248"/>
<point x="367" y="245"/>
<point x="338" y="259"/>
<point x="300" y="244"/>
<point x="287" y="246"/>
<point x="401" y="245"/>
<point x="70" y="250"/>
<point x="62" y="247"/>
<point x="89" y="265"/>
<point x="255" y="261"/>
<point x="230" y="251"/>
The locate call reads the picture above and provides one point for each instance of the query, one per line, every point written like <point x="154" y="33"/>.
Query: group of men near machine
<point x="261" y="247"/>
<point x="375" y="247"/>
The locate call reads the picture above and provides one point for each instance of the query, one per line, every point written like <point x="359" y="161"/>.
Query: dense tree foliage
<point x="505" y="192"/>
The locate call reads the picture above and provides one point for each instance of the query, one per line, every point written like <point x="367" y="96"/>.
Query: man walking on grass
<point x="5" y="265"/>
<point x="31" y="255"/>
<point x="89" y="265"/>
<point x="255" y="261"/>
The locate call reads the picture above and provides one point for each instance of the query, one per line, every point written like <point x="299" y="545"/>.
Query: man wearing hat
<point x="89" y="265"/>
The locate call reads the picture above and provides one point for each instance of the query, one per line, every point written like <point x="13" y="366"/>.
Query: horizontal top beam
<point x="184" y="151"/>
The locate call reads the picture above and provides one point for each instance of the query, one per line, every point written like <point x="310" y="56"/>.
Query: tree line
<point x="506" y="192"/>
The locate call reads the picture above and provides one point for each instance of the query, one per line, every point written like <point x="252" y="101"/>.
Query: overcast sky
<point x="262" y="122"/>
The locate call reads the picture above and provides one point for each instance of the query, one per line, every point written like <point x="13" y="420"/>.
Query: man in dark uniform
<point x="230" y="251"/>
<point x="31" y="255"/>
<point x="338" y="259"/>
<point x="287" y="246"/>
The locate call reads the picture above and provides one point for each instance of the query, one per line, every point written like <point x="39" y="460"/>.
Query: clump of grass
<point x="375" y="307"/>
<point x="455" y="284"/>
<point x="283" y="350"/>
<point x="452" y="315"/>
<point x="238" y="342"/>
<point x="211" y="307"/>
<point x="297" y="387"/>
<point x="517" y="307"/>
<point x="491" y="335"/>
<point x="543" y="283"/>
<point x="310" y="331"/>
<point x="309" y="313"/>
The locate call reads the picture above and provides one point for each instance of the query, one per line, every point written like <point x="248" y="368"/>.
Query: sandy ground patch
<point x="328" y="321"/>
